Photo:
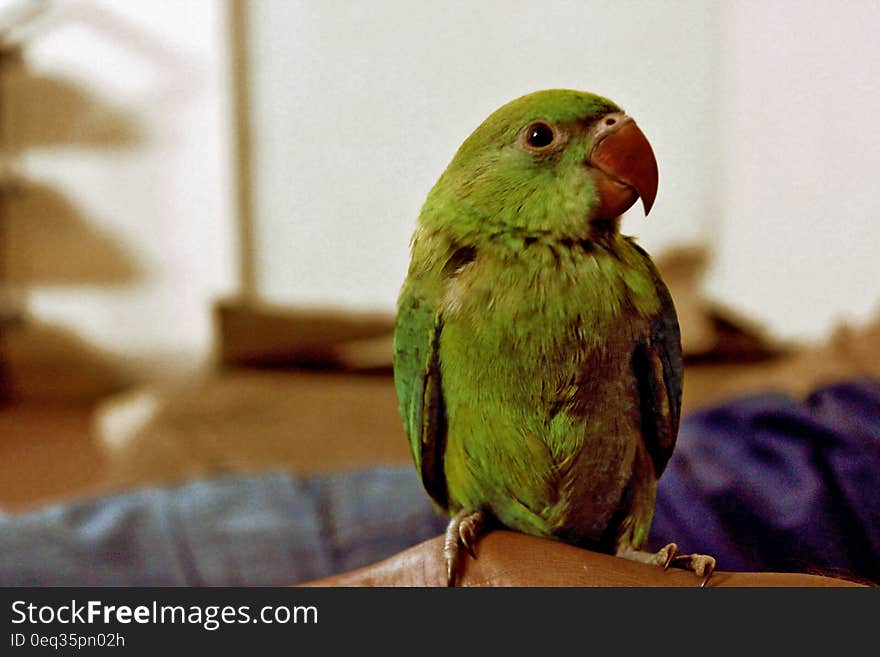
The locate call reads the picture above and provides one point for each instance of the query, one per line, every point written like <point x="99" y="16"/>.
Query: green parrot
<point x="537" y="355"/>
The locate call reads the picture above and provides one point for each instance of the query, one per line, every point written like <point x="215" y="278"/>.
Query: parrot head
<point x="555" y="163"/>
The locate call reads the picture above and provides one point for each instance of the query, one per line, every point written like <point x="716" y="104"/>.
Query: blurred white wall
<point x="760" y="114"/>
<point x="800" y="147"/>
<point x="156" y="184"/>
<point x="357" y="107"/>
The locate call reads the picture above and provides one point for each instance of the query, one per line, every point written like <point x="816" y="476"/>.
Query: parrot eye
<point x="538" y="136"/>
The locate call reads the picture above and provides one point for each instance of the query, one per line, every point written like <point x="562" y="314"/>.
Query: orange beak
<point x="623" y="166"/>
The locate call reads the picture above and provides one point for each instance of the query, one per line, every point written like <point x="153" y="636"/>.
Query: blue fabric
<point x="762" y="483"/>
<point x="266" y="530"/>
<point x="228" y="531"/>
<point x="770" y="483"/>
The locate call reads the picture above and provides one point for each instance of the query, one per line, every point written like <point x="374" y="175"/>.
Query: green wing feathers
<point x="419" y="391"/>
<point x="659" y="371"/>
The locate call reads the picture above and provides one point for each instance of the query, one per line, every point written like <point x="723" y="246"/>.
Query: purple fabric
<point x="771" y="483"/>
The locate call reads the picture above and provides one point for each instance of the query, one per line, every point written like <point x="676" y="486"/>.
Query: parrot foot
<point x="701" y="565"/>
<point x="462" y="531"/>
<point x="663" y="557"/>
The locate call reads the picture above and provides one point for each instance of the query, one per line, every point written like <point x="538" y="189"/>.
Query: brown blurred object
<point x="250" y="421"/>
<point x="44" y="238"/>
<point x="46" y="454"/>
<point x="51" y="242"/>
<point x="55" y="112"/>
<point x="710" y="331"/>
<point x="254" y="334"/>
<point x="48" y="364"/>
<point x="727" y="355"/>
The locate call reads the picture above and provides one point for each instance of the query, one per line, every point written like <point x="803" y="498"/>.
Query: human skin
<point x="506" y="558"/>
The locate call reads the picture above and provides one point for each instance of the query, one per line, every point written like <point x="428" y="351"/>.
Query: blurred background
<point x="206" y="206"/>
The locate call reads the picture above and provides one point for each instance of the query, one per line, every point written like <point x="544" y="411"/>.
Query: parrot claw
<point x="701" y="565"/>
<point x="469" y="529"/>
<point x="671" y="550"/>
<point x="462" y="531"/>
<point x="470" y="549"/>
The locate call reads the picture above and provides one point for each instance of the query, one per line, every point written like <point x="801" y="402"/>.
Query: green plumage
<point x="537" y="353"/>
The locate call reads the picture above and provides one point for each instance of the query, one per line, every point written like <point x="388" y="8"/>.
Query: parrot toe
<point x="462" y="531"/>
<point x="701" y="565"/>
<point x="662" y="557"/>
<point x="665" y="555"/>
<point x="469" y="529"/>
